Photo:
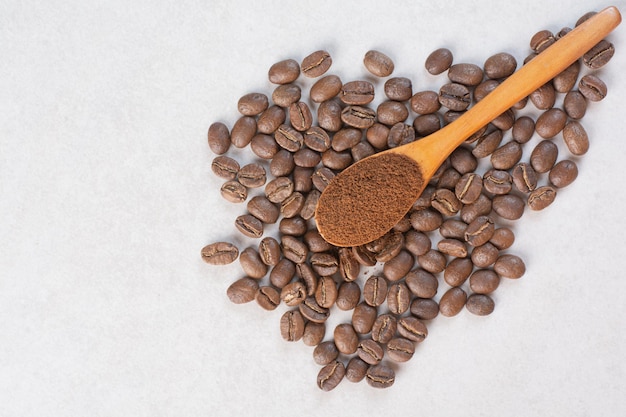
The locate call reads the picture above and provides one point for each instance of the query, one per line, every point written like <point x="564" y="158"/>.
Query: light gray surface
<point x="106" y="308"/>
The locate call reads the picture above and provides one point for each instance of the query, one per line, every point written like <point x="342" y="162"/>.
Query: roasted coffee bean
<point x="380" y="376"/>
<point x="326" y="292"/>
<point x="424" y="200"/>
<point x="306" y="158"/>
<point x="563" y="173"/>
<point x="288" y="138"/>
<point x="375" y="290"/>
<point x="387" y="246"/>
<point x="391" y="112"/>
<point x="249" y="225"/>
<point x="308" y="277"/>
<point x="507" y="155"/>
<point x="452" y="302"/>
<point x="313" y="333"/>
<point x="357" y="92"/>
<point x="346" y="339"/>
<point x="252" y="104"/>
<point x="282" y="164"/>
<point x="290" y="208"/>
<point x="358" y="116"/>
<point x="284" y="72"/>
<point x="219" y="253"/>
<point x="286" y="94"/>
<point x="486" y="254"/>
<point x="384" y="328"/>
<point x="363" y="256"/>
<point x="336" y="160"/>
<point x="363" y="317"/>
<point x="329" y="115"/>
<point x="452" y="229"/>
<point x="487" y="144"/>
<point x="505" y="120"/>
<point x="523" y="129"/>
<point x="243" y="130"/>
<point x="479" y="231"/>
<point x="550" y="123"/>
<point x="599" y="55"/>
<point x="575" y="104"/>
<point x="463" y="161"/>
<point x="346" y="138"/>
<point x="325" y="353"/>
<point x="264" y="146"/>
<point x="541" y="40"/>
<point x="349" y="266"/>
<point x="592" y="87"/>
<point x="322" y="177"/>
<point x="502" y="238"/>
<point x="426" y="124"/>
<point x="377" y="135"/>
<point x="398" y="267"/>
<point x="243" y="290"/>
<point x="398" y="88"/>
<point x="508" y="206"/>
<point x="422" y="283"/>
<point x="310" y="205"/>
<point x="445" y="202"/>
<point x="269" y="251"/>
<point x="252" y="175"/>
<point x="576" y="138"/>
<point x="252" y="264"/>
<point x="544" y="97"/>
<point x="294" y="249"/>
<point x="400" y="349"/>
<point x="356" y="369"/>
<point x="509" y="266"/>
<point x="293" y="294"/>
<point x="300" y="116"/>
<point x="316" y="64"/>
<point x="448" y="179"/>
<point x="468" y="188"/>
<point x="312" y="311"/>
<point x="324" y="264"/>
<point x="271" y="119"/>
<point x="267" y="297"/>
<point x="316" y="242"/>
<point x="219" y="138"/>
<point x="480" y="304"/>
<point x="438" y="61"/>
<point x="225" y="167"/>
<point x="278" y="189"/>
<point x="370" y="352"/>
<point x="412" y="329"/>
<point x="330" y="376"/>
<point x="424" y="308"/>
<point x="348" y="296"/>
<point x="263" y="209"/>
<point x="544" y="156"/>
<point x="484" y="281"/>
<point x="378" y="63"/>
<point x="416" y="243"/>
<point x="454" y="96"/>
<point x="282" y="273"/>
<point x="482" y="206"/>
<point x="432" y="261"/>
<point x="484" y="88"/>
<point x="425" y="102"/>
<point x="541" y="197"/>
<point x="362" y="150"/>
<point x="317" y="139"/>
<point x="564" y="31"/>
<point x="452" y="247"/>
<point x="524" y="177"/>
<point x="398" y="298"/>
<point x="566" y="80"/>
<point x="457" y="272"/>
<point x="426" y="220"/>
<point x="325" y="88"/>
<point x="466" y="74"/>
<point x="500" y="65"/>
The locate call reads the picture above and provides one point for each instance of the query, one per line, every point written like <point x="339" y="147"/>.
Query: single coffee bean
<point x="346" y="339"/>
<point x="398" y="267"/>
<point x="391" y="112"/>
<point x="505" y="120"/>
<point x="317" y="139"/>
<point x="524" y="177"/>
<point x="563" y="173"/>
<point x="484" y="88"/>
<point x="325" y="88"/>
<point x="398" y="298"/>
<point x="316" y="64"/>
<point x="509" y="266"/>
<point x="336" y="160"/>
<point x="306" y="158"/>
<point x="463" y="161"/>
<point x="310" y="205"/>
<point x="480" y="304"/>
<point x="286" y="94"/>
<point x="308" y="277"/>
<point x="421" y="283"/>
<point x="452" y="302"/>
<point x="468" y="188"/>
<point x="400" y="349"/>
<point x="225" y="167"/>
<point x="370" y="352"/>
<point x="426" y="124"/>
<point x="562" y="33"/>
<point x="271" y="119"/>
<point x="346" y="138"/>
<point x="486" y="254"/>
<point x="508" y="206"/>
<point x="249" y="226"/>
<point x="398" y="88"/>
<point x="325" y="353"/>
<point x="302" y="181"/>
<point x="284" y="72"/>
<point x="282" y="273"/>
<point x="426" y="220"/>
<point x="288" y="138"/>
<point x="544" y="156"/>
<point x="439" y="61"/>
<point x="592" y="87"/>
<point x="566" y="80"/>
<point x="349" y="266"/>
<point x="425" y="102"/>
<point x="377" y="135"/>
<point x="348" y="296"/>
<point x="445" y="202"/>
<point x="466" y="74"/>
<point x="541" y="197"/>
<point x="541" y="40"/>
<point x="312" y="311"/>
<point x="375" y="290"/>
<point x="358" y="116"/>
<point x="267" y="297"/>
<point x="293" y="294"/>
<point x="576" y="138"/>
<point x="387" y="246"/>
<point x="290" y="208"/>
<point x="452" y="229"/>
<point x="384" y="328"/>
<point x="278" y="189"/>
<point x="412" y="329"/>
<point x="300" y="116"/>
<point x="599" y="55"/>
<point x="252" y="104"/>
<point x="380" y="376"/>
<point x="219" y="138"/>
<point x="457" y="271"/>
<point x="252" y="264"/>
<point x="219" y="253"/>
<point x="454" y="96"/>
<point x="282" y="164"/>
<point x="482" y="206"/>
<point x="479" y="231"/>
<point x="269" y="251"/>
<point x="252" y="175"/>
<point x="523" y="129"/>
<point x="356" y="369"/>
<point x="264" y="146"/>
<point x="507" y="155"/>
<point x="500" y="65"/>
<point x="432" y="261"/>
<point x="378" y="63"/>
<point x="329" y="115"/>
<point x="452" y="247"/>
<point x="424" y="308"/>
<point x="294" y="249"/>
<point x="484" y="281"/>
<point x="362" y="150"/>
<point x="424" y="200"/>
<point x="263" y="209"/>
<point x="502" y="238"/>
<point x="575" y="104"/>
<point x="326" y="292"/>
<point x="243" y="290"/>
<point x="316" y="242"/>
<point x="330" y="376"/>
<point x="487" y="144"/>
<point x="416" y="243"/>
<point x="363" y="317"/>
<point x="363" y="256"/>
<point x="324" y="264"/>
<point x="448" y="179"/>
<point x="544" y="97"/>
<point x="313" y="333"/>
<point x="357" y="92"/>
<point x="243" y="130"/>
<point x="550" y="123"/>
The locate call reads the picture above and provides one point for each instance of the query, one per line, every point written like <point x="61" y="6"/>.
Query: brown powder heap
<point x="368" y="199"/>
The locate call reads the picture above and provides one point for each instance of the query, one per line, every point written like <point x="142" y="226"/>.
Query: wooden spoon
<point x="366" y="200"/>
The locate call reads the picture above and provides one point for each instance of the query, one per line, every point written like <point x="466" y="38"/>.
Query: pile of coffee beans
<point x="449" y="252"/>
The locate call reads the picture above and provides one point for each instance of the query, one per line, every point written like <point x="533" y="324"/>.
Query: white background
<point x="106" y="198"/>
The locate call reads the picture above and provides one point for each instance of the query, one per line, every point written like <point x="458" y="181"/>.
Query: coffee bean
<point x="432" y="261"/>
<point x="502" y="238"/>
<point x="264" y="146"/>
<point x="313" y="333"/>
<point x="426" y="124"/>
<point x="293" y="294"/>
<point x="457" y="271"/>
<point x="387" y="246"/>
<point x="252" y="264"/>
<point x="466" y="74"/>
<point x="346" y="138"/>
<point x="564" y="31"/>
<point x="485" y="255"/>
<point x="225" y="167"/>
<point x="310" y="205"/>
<point x="294" y="249"/>
<point x="302" y="181"/>
<point x="219" y="138"/>
<point x="292" y="226"/>
<point x="252" y="104"/>
<point x="544" y="156"/>
<point x="380" y="376"/>
<point x="378" y="63"/>
<point x="363" y="317"/>
<point x="541" y="40"/>
<point x="454" y="96"/>
<point x="398" y="298"/>
<point x="370" y="352"/>
<point x="426" y="220"/>
<point x="384" y="328"/>
<point x="249" y="226"/>
<point x="508" y="206"/>
<point x="278" y="189"/>
<point x="330" y="376"/>
<point x="480" y="304"/>
<point x="424" y="200"/>
<point x="377" y="135"/>
<point x="363" y="256"/>
<point x="358" y="116"/>
<point x="507" y="155"/>
<point x="356" y="369"/>
<point x="329" y="115"/>
<point x="325" y="353"/>
<point x="349" y="266"/>
<point x="282" y="164"/>
<point x="317" y="139"/>
<point x="398" y="88"/>
<point x="424" y="308"/>
<point x="375" y="290"/>
<point x="505" y="120"/>
<point x="412" y="329"/>
<point x="416" y="243"/>
<point x="252" y="175"/>
<point x="267" y="297"/>
<point x="448" y="179"/>
<point x="311" y="311"/>
<point x="482" y="206"/>
<point x="290" y="207"/>
<point x="219" y="253"/>
<point x="421" y="283"/>
<point x="439" y="61"/>
<point x="346" y="339"/>
<point x="399" y="266"/>
<point x="523" y="129"/>
<point x="336" y="160"/>
<point x="286" y="94"/>
<point x="308" y="277"/>
<point x="550" y="123"/>
<point x="263" y="209"/>
<point x="243" y="130"/>
<point x="541" y="197"/>
<point x="484" y="88"/>
<point x="445" y="202"/>
<point x="566" y="80"/>
<point x="524" y="177"/>
<point x="284" y="72"/>
<point x="575" y="104"/>
<point x="544" y="97"/>
<point x="234" y="192"/>
<point x="348" y="296"/>
<point x="599" y="55"/>
<point x="400" y="349"/>
<point x="497" y="182"/>
<point x="479" y="231"/>
<point x="452" y="229"/>
<point x="357" y="92"/>
<point x="500" y="65"/>
<point x="452" y="247"/>
<point x="324" y="264"/>
<point x="468" y="188"/>
<point x="576" y="138"/>
<point x="563" y="173"/>
<point x="316" y="64"/>
<point x="362" y="150"/>
<point x="325" y="88"/>
<point x="243" y="290"/>
<point x="452" y="302"/>
<point x="288" y="138"/>
<point x="270" y="120"/>
<point x="300" y="116"/>
<point x="282" y="273"/>
<point x="425" y="102"/>
<point x="463" y="161"/>
<point x="509" y="266"/>
<point x="326" y="292"/>
<point x="316" y="242"/>
<point x="592" y="87"/>
<point x="484" y="281"/>
<point x="391" y="112"/>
